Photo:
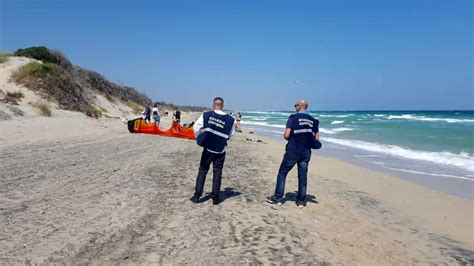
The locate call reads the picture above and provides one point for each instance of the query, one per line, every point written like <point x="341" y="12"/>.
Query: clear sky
<point x="346" y="55"/>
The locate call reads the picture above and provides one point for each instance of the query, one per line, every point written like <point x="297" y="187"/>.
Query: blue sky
<point x="346" y="55"/>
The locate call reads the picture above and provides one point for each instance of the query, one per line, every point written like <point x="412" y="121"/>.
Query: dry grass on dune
<point x="43" y="107"/>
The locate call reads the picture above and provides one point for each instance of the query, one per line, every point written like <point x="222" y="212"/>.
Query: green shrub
<point x="39" y="53"/>
<point x="15" y="95"/>
<point x="103" y="109"/>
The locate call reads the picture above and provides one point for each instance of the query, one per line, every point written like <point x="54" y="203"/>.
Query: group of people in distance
<point x="155" y="113"/>
<point x="214" y="128"/>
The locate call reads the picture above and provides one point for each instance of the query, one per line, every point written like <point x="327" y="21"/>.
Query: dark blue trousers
<point x="289" y="160"/>
<point x="217" y="161"/>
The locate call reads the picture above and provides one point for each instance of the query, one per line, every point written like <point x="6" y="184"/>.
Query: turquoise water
<point x="431" y="142"/>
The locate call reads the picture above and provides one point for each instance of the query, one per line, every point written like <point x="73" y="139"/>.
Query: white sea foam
<point x="462" y="160"/>
<point x="334" y="130"/>
<point x="335" y="122"/>
<point x="265" y="124"/>
<point x="425" y="173"/>
<point x="327" y="131"/>
<point x="336" y="115"/>
<point x="258" y="118"/>
<point x="430" y="119"/>
<point x="340" y="129"/>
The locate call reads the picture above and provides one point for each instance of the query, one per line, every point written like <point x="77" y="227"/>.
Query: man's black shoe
<point x="194" y="199"/>
<point x="273" y="200"/>
<point x="215" y="201"/>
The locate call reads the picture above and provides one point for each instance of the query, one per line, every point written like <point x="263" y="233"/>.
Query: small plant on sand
<point x="103" y="109"/>
<point x="43" y="108"/>
<point x="93" y="111"/>
<point x="33" y="74"/>
<point x="15" y="95"/>
<point x="3" y="58"/>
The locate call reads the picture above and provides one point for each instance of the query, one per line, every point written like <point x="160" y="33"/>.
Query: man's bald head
<point x="302" y="104"/>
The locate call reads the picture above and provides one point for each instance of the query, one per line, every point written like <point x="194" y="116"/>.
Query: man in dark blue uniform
<point x="212" y="130"/>
<point x="302" y="133"/>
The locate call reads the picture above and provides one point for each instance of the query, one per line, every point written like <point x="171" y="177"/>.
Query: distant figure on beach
<point x="177" y="115"/>
<point x="212" y="129"/>
<point x="238" y="118"/>
<point x="302" y="133"/>
<point x="156" y="115"/>
<point x="165" y="114"/>
<point x="146" y="114"/>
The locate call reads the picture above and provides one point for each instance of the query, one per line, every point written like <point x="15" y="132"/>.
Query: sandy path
<point x="123" y="198"/>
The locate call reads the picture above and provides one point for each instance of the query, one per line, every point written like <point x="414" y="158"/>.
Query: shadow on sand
<point x="291" y="196"/>
<point x="228" y="192"/>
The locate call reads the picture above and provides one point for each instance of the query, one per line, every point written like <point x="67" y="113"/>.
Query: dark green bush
<point x="39" y="53"/>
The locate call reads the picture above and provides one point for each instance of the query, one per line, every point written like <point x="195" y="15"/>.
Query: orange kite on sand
<point x="139" y="126"/>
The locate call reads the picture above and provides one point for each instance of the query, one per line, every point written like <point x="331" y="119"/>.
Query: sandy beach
<point x="93" y="193"/>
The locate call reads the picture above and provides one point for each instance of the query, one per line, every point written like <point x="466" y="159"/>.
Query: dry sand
<point x="77" y="190"/>
<point x="109" y="196"/>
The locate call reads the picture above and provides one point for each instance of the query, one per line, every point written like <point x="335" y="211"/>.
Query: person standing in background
<point x="156" y="115"/>
<point x="302" y="133"/>
<point x="177" y="115"/>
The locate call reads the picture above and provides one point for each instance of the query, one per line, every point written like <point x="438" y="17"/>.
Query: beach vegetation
<point x="17" y="95"/>
<point x="186" y="108"/>
<point x="72" y="87"/>
<point x="40" y="53"/>
<point x="43" y="108"/>
<point x="3" y="58"/>
<point x="103" y="109"/>
<point x="136" y="109"/>
<point x="93" y="111"/>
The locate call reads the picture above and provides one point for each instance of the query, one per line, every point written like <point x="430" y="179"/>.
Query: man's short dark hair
<point x="219" y="99"/>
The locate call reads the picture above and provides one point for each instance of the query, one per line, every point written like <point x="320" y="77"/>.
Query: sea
<point x="433" y="148"/>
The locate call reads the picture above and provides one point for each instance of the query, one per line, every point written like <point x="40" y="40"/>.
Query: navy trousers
<point x="288" y="162"/>
<point x="217" y="161"/>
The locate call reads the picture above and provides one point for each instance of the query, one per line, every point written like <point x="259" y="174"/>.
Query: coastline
<point x="98" y="194"/>
<point x="458" y="187"/>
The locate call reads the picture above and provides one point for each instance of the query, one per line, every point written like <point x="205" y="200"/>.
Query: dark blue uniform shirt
<point x="303" y="130"/>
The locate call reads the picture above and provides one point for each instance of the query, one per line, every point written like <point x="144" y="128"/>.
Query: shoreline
<point x="462" y="188"/>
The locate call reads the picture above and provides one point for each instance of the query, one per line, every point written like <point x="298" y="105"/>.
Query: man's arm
<point x="289" y="125"/>
<point x="198" y="125"/>
<point x="317" y="136"/>
<point x="232" y="132"/>
<point x="287" y="134"/>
